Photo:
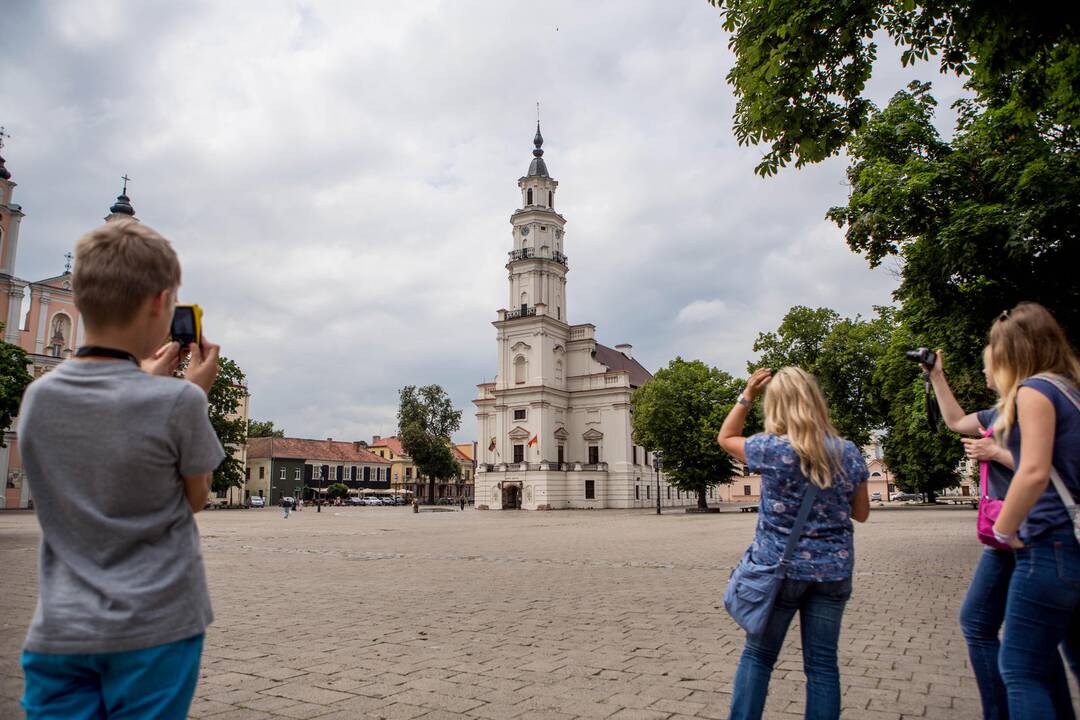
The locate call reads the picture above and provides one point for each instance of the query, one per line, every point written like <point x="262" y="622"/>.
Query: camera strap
<point x="933" y="410"/>
<point x="104" y="352"/>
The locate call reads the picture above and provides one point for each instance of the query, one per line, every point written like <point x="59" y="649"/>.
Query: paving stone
<point x="379" y="613"/>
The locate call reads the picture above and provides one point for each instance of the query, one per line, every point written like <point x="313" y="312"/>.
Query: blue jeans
<point x="155" y="683"/>
<point x="821" y="608"/>
<point x="1044" y="597"/>
<point x="981" y="617"/>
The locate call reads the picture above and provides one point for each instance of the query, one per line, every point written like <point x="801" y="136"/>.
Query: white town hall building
<point x="555" y="427"/>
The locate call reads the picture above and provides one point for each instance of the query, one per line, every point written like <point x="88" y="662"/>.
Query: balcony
<point x="522" y="254"/>
<point x="520" y="313"/>
<point x="530" y="253"/>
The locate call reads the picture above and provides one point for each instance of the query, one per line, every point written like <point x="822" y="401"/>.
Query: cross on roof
<point x="123" y="177"/>
<point x="67" y="265"/>
<point x="2" y="136"/>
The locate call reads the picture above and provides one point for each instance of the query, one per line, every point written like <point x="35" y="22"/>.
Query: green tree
<point x="801" y="66"/>
<point x="226" y="395"/>
<point x="842" y="353"/>
<point x="14" y="377"/>
<point x="264" y="428"/>
<point x="921" y="459"/>
<point x="426" y="422"/>
<point x="679" y="413"/>
<point x="337" y="491"/>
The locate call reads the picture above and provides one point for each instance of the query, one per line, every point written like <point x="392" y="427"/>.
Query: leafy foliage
<point x="337" y="491"/>
<point x="426" y="422"/>
<point x="264" y="428"/>
<point x="679" y="413"/>
<point x="225" y="396"/>
<point x="842" y="353"/>
<point x="14" y="377"/>
<point x="801" y="66"/>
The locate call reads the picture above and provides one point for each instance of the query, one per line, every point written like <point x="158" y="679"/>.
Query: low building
<point x="278" y="467"/>
<point x="406" y="477"/>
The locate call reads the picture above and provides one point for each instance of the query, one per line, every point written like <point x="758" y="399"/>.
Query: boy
<point x="119" y="456"/>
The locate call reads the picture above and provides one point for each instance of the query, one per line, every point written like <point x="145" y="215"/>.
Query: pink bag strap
<point x="984" y="471"/>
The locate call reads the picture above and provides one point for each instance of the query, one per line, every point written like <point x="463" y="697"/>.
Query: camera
<point x="926" y="356"/>
<point x="187" y="325"/>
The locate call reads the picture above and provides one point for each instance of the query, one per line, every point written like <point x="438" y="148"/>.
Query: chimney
<point x="626" y="349"/>
<point x="375" y="439"/>
<point x="357" y="445"/>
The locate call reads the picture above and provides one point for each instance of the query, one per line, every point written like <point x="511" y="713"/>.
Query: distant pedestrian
<point x="462" y="503"/>
<point x="810" y="474"/>
<point x="286" y="506"/>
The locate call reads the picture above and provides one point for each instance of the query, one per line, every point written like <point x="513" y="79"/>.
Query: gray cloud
<point x="338" y="178"/>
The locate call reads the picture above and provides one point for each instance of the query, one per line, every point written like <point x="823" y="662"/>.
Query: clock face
<point x="524" y="231"/>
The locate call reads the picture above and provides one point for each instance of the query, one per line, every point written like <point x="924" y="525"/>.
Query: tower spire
<point x="538" y="167"/>
<point x="122" y="206"/>
<point x="4" y="173"/>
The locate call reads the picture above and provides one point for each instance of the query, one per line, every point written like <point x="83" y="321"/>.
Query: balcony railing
<point x="520" y="312"/>
<point x="528" y="253"/>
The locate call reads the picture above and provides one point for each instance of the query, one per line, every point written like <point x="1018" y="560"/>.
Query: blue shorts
<point x="156" y="682"/>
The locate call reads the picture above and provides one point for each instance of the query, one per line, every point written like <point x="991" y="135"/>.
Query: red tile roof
<point x="392" y="442"/>
<point x="615" y="360"/>
<point x="322" y="450"/>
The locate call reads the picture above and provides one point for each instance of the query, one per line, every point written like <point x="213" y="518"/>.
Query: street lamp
<point x="656" y="463"/>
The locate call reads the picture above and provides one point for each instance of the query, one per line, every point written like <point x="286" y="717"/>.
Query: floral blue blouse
<point x="826" y="551"/>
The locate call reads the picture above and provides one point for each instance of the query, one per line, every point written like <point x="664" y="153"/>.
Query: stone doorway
<point x="511" y="497"/>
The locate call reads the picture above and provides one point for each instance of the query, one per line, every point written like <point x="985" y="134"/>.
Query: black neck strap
<point x="104" y="352"/>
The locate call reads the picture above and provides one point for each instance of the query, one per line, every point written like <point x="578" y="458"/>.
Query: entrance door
<point x="511" y="497"/>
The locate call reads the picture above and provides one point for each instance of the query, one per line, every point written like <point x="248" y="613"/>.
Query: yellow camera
<point x="187" y="325"/>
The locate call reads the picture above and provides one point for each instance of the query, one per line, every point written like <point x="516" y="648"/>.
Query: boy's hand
<point x="203" y="366"/>
<point x="164" y="361"/>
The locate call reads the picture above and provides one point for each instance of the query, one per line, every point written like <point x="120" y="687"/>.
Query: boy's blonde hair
<point x="794" y="406"/>
<point x="117" y="267"/>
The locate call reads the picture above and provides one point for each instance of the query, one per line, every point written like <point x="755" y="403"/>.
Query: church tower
<point x="538" y="265"/>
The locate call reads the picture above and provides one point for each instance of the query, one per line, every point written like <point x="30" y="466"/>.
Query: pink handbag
<point x="989" y="508"/>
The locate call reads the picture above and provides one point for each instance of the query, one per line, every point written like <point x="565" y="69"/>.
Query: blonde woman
<point x="1037" y="372"/>
<point x="799" y="447"/>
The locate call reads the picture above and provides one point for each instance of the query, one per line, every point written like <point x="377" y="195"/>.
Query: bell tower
<point x="538" y="262"/>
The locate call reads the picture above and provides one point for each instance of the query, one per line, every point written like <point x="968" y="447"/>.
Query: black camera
<point x="926" y="356"/>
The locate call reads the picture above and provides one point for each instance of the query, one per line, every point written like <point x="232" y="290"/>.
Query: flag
<point x="491" y="446"/>
<point x="534" y="440"/>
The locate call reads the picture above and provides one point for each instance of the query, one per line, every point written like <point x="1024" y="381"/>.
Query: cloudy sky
<point x="338" y="178"/>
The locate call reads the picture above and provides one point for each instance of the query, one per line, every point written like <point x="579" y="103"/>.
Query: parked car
<point x="354" y="500"/>
<point x="905" y="497"/>
<point x="258" y="501"/>
<point x="875" y="497"/>
<point x="372" y="500"/>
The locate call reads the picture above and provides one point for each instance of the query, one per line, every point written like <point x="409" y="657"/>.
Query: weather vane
<point x="125" y="178"/>
<point x="67" y="265"/>
<point x="2" y="136"/>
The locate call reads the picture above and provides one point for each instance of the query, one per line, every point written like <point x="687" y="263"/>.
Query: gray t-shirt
<point x="105" y="446"/>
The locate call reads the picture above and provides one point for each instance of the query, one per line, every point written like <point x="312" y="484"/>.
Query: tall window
<point x="745" y="489"/>
<point x="262" y="471"/>
<point x="551" y="199"/>
<point x="367" y="473"/>
<point x="637" y="492"/>
<point x="668" y="492"/>
<point x="282" y="476"/>
<point x="590" y="489"/>
<point x="297" y="475"/>
<point x="528" y="196"/>
<point x="519" y="453"/>
<point x="594" y="455"/>
<point x="562" y="454"/>
<point x="633" y="452"/>
<point x="648" y="492"/>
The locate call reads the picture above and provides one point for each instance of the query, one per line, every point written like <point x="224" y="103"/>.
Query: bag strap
<point x="800" y="522"/>
<point x="1071" y="393"/>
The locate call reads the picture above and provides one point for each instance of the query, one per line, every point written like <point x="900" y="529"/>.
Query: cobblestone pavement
<point x="382" y="613"/>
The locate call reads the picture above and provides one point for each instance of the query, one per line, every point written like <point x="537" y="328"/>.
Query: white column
<point x="8" y="260"/>
<point x="43" y="323"/>
<point x="77" y="333"/>
<point x="11" y="332"/>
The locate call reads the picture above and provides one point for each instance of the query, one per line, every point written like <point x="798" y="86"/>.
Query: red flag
<point x="535" y="439"/>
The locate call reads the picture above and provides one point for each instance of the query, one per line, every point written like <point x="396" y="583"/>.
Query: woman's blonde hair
<point x="794" y="406"/>
<point x="1026" y="341"/>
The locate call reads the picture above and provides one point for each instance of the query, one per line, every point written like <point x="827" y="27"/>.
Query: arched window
<point x="524" y="299"/>
<point x="528" y="196"/>
<point x="551" y="199"/>
<point x="520" y="370"/>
